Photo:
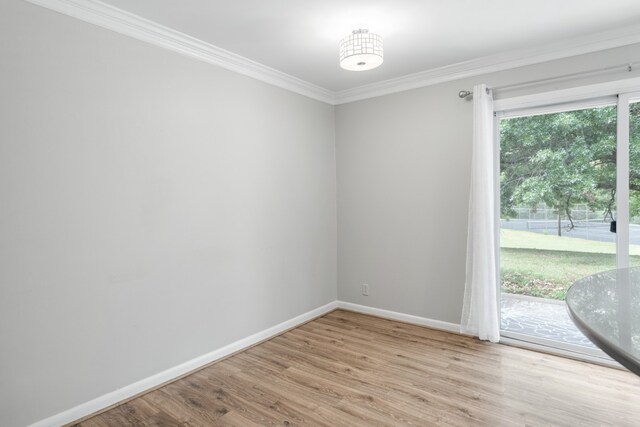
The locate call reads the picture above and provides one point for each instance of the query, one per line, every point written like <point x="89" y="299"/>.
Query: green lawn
<point x="545" y="266"/>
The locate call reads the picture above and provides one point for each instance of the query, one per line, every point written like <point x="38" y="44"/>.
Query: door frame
<point x="618" y="93"/>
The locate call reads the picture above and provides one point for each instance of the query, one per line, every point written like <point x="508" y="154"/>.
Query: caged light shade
<point x="361" y="51"/>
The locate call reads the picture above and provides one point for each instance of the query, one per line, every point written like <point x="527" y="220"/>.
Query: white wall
<point x="403" y="187"/>
<point x="152" y="209"/>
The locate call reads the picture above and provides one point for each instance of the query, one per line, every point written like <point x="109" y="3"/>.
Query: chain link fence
<point x="543" y="219"/>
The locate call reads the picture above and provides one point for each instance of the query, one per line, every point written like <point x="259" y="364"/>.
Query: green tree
<point x="560" y="159"/>
<point x="567" y="158"/>
<point x="564" y="159"/>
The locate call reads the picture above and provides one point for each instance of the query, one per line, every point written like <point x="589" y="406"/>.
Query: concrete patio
<point x="544" y="319"/>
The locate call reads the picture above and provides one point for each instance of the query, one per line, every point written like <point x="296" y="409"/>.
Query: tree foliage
<point x="564" y="159"/>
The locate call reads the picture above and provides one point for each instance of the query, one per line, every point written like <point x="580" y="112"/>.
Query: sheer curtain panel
<point x="480" y="315"/>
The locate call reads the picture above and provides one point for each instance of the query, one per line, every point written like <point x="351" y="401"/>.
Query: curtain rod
<point x="467" y="94"/>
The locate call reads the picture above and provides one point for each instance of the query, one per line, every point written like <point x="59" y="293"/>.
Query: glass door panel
<point x="634" y="183"/>
<point x="558" y="200"/>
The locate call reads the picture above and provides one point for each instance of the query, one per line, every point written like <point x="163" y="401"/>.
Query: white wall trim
<point x="137" y="388"/>
<point x="493" y="63"/>
<point x="170" y="374"/>
<point x="394" y="315"/>
<point x="129" y="391"/>
<point x="123" y="22"/>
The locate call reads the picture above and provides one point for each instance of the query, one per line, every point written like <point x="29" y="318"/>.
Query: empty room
<point x="319" y="213"/>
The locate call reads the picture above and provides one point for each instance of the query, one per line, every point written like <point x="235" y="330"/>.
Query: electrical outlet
<point x="365" y="289"/>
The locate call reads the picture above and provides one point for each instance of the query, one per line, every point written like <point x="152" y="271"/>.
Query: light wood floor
<point x="348" y="369"/>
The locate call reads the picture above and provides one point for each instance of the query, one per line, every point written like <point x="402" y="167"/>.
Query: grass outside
<point x="545" y="266"/>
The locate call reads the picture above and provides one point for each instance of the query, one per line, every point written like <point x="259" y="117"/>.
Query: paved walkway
<point x="541" y="318"/>
<point x="594" y="231"/>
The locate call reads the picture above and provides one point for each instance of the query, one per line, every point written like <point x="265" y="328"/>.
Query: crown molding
<point x="493" y="63"/>
<point x="123" y="22"/>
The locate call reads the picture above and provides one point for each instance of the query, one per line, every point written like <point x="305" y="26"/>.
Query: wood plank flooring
<point x="348" y="369"/>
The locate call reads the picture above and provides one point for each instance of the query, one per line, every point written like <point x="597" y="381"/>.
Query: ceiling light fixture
<point x="361" y="51"/>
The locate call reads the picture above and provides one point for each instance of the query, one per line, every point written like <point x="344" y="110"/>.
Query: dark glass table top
<point x="606" y="308"/>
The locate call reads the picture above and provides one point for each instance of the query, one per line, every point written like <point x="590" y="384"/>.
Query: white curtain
<point x="480" y="316"/>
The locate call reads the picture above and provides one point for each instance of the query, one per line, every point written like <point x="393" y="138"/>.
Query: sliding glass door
<point x="569" y="207"/>
<point x="634" y="181"/>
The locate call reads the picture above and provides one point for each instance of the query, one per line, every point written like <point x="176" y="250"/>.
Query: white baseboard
<point x="394" y="315"/>
<point x="137" y="388"/>
<point x="170" y="374"/>
<point x="140" y="387"/>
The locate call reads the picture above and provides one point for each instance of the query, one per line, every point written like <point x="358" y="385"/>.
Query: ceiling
<point x="300" y="37"/>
